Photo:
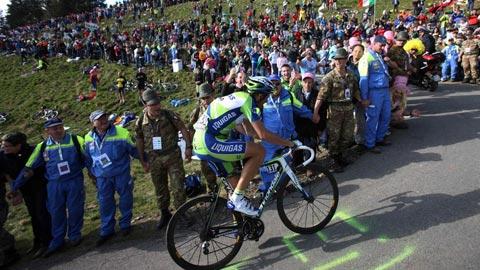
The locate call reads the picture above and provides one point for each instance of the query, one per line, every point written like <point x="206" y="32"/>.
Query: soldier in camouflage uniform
<point x="206" y="96"/>
<point x="157" y="139"/>
<point x="469" y="55"/>
<point x="339" y="88"/>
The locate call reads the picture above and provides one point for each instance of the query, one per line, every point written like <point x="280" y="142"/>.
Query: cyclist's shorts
<point x="220" y="154"/>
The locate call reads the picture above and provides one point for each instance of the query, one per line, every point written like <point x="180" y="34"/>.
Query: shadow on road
<point x="445" y="121"/>
<point x="144" y="237"/>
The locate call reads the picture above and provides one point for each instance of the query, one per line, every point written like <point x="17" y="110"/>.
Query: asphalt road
<point x="415" y="206"/>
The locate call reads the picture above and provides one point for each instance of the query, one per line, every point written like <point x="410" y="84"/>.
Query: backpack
<point x="75" y="143"/>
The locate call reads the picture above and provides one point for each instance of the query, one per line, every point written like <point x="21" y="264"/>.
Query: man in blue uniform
<point x="278" y="114"/>
<point x="62" y="156"/>
<point x="108" y="150"/>
<point x="375" y="95"/>
<point x="450" y="66"/>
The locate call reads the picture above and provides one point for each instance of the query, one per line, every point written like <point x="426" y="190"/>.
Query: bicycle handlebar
<point x="302" y="147"/>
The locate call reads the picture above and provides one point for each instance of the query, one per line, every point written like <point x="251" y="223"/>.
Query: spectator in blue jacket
<point x="62" y="156"/>
<point x="108" y="149"/>
<point x="450" y="66"/>
<point x="278" y="114"/>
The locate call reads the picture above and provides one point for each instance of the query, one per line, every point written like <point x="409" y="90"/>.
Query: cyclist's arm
<point x="265" y="135"/>
<point x="246" y="128"/>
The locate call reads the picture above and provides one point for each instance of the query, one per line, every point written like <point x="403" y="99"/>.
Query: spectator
<point x="157" y="136"/>
<point x="121" y="83"/>
<point x="13" y="157"/>
<point x="206" y="96"/>
<point x="8" y="253"/>
<point x="108" y="150"/>
<point x="278" y="114"/>
<point x="308" y="64"/>
<point x="339" y="88"/>
<point x="62" y="156"/>
<point x="357" y="53"/>
<point x="141" y="81"/>
<point x="375" y="95"/>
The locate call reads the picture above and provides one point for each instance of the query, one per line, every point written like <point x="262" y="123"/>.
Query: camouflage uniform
<point x="470" y="50"/>
<point x="206" y="171"/>
<point x="166" y="162"/>
<point x="340" y="122"/>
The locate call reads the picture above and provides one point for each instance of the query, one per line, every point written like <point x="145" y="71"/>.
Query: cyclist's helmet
<point x="259" y="84"/>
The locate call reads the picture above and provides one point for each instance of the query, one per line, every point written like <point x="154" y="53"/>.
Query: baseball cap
<point x="96" y="115"/>
<point x="380" y="39"/>
<point x="308" y="75"/>
<point x="52" y="122"/>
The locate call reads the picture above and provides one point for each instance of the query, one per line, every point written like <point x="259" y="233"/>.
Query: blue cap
<point x="274" y="77"/>
<point x="96" y="114"/>
<point x="52" y="122"/>
<point x="380" y="39"/>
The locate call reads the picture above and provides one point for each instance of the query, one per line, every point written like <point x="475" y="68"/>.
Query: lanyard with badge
<point x="276" y="109"/>
<point x="156" y="140"/>
<point x="63" y="166"/>
<point x="103" y="158"/>
<point x="346" y="92"/>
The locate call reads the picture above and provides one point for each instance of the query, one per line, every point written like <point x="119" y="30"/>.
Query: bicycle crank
<point x="253" y="228"/>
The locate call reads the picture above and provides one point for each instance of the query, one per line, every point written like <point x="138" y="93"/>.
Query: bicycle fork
<point x="296" y="183"/>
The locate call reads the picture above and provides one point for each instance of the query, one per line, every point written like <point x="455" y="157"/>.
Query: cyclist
<point x="211" y="141"/>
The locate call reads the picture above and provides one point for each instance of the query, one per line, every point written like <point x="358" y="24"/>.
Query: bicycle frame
<point x="283" y="171"/>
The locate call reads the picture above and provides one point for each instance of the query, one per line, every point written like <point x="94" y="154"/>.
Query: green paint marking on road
<point x="351" y="221"/>
<point x="407" y="251"/>
<point x="287" y="240"/>
<point x="323" y="236"/>
<point x="237" y="265"/>
<point x="382" y="238"/>
<point x="339" y="261"/>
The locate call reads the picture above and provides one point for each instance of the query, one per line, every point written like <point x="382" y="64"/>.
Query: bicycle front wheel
<point x="194" y="245"/>
<point x="308" y="214"/>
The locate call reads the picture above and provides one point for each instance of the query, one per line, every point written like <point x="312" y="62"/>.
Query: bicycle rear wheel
<point x="192" y="246"/>
<point x="307" y="215"/>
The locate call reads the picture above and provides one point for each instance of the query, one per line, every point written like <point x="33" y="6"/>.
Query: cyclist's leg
<point x="254" y="155"/>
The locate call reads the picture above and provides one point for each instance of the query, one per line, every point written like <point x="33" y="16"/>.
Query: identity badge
<point x="157" y="143"/>
<point x="63" y="168"/>
<point x="348" y="94"/>
<point x="105" y="160"/>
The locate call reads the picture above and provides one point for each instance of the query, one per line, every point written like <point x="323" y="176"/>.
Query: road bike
<point x="205" y="233"/>
<point x="3" y="117"/>
<point x="45" y="114"/>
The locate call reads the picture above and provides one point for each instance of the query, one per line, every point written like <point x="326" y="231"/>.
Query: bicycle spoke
<point x="320" y="209"/>
<point x="314" y="213"/>
<point x="191" y="239"/>
<point x="196" y="247"/>
<point x="301" y="217"/>
<point x="322" y="203"/>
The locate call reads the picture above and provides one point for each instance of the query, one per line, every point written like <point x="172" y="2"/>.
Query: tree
<point x="22" y="12"/>
<point x="58" y="8"/>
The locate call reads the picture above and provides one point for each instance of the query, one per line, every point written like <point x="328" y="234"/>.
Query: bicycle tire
<point x="185" y="212"/>
<point x="38" y="115"/>
<point x="322" y="178"/>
